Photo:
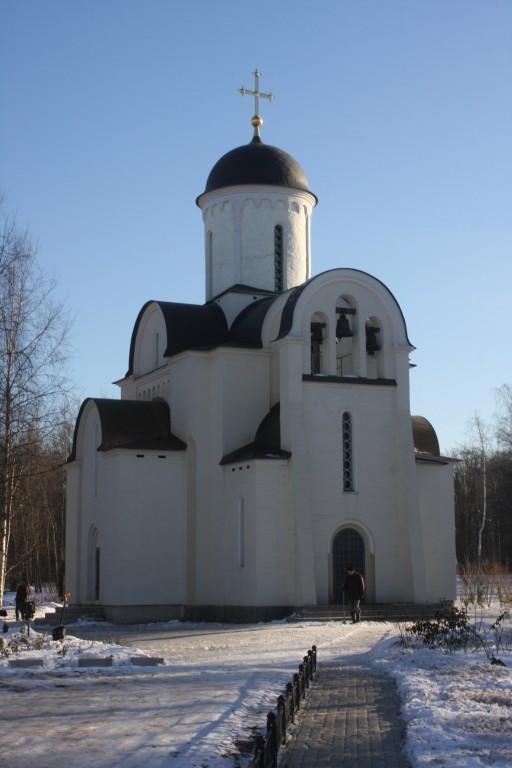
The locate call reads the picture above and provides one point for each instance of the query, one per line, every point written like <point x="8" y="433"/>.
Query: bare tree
<point x="481" y="432"/>
<point x="34" y="330"/>
<point x="504" y="417"/>
<point x="467" y="484"/>
<point x="483" y="488"/>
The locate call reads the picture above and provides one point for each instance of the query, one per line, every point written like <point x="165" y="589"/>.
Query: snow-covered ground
<point x="217" y="685"/>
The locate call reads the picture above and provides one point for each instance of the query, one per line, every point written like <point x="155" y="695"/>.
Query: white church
<point x="263" y="440"/>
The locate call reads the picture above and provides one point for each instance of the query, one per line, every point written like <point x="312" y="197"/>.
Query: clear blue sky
<point x="400" y="111"/>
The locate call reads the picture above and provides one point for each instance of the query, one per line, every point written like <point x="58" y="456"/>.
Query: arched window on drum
<point x="278" y="258"/>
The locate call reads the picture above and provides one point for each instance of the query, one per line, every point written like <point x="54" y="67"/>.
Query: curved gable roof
<point x="246" y="329"/>
<point x="131" y="424"/>
<point x="287" y="315"/>
<point x="188" y="326"/>
<point x="266" y="444"/>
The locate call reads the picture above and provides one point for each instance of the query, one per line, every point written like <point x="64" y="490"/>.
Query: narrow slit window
<point x="95" y="444"/>
<point x="241" y="534"/>
<point x="348" y="467"/>
<point x="97" y="573"/>
<point x="209" y="264"/>
<point x="156" y="350"/>
<point x="278" y="258"/>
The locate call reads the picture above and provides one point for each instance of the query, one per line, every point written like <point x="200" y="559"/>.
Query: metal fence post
<point x="281" y="718"/>
<point x="266" y="748"/>
<point x="290" y="700"/>
<point x="271" y="740"/>
<point x="312" y="656"/>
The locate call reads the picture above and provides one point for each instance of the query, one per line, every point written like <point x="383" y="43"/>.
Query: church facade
<point x="263" y="440"/>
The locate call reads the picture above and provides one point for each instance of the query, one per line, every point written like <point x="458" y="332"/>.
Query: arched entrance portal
<point x="348" y="548"/>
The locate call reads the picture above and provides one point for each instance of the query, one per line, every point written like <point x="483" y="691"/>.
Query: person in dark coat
<point x="22" y="596"/>
<point x="354" y="588"/>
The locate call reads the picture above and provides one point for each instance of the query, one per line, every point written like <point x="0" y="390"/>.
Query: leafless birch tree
<point x="34" y="330"/>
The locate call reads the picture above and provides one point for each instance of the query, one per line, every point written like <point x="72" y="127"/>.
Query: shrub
<point x="502" y="633"/>
<point x="450" y="629"/>
<point x="39" y="642"/>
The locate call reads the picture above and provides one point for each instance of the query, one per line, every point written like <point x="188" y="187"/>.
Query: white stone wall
<point x="218" y="400"/>
<point x="144" y="525"/>
<point x="436" y="501"/>
<point x="135" y="500"/>
<point x="378" y="502"/>
<point x="220" y="397"/>
<point x="239" y="237"/>
<point x="273" y="544"/>
<point x="263" y="575"/>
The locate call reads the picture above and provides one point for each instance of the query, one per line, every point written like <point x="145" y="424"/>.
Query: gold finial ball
<point x="257" y="121"/>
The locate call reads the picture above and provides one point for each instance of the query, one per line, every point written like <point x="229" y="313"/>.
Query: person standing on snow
<point x="354" y="588"/>
<point x="22" y="596"/>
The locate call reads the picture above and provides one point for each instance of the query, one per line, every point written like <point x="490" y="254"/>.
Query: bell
<point x="343" y="328"/>
<point x="372" y="345"/>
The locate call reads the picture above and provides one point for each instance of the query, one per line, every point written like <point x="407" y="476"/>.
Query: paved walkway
<point x="350" y="720"/>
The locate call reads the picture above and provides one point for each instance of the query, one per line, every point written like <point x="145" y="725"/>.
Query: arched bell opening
<point x="345" y="332"/>
<point x="374" y="361"/>
<point x="319" y="352"/>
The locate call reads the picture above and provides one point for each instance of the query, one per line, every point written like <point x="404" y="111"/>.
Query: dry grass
<point x="483" y="582"/>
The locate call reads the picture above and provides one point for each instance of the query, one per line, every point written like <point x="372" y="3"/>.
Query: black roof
<point x="246" y="329"/>
<point x="204" y="326"/>
<point x="257" y="163"/>
<point x="135" y="424"/>
<point x="266" y="444"/>
<point x="188" y="326"/>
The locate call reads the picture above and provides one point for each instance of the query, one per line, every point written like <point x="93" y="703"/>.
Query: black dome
<point x="257" y="163"/>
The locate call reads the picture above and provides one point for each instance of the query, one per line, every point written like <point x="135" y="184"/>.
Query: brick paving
<point x="351" y="720"/>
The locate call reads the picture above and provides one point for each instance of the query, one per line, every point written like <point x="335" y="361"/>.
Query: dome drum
<point x="257" y="209"/>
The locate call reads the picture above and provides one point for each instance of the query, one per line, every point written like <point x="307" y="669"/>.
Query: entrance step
<point x="72" y="614"/>
<point x="398" y="612"/>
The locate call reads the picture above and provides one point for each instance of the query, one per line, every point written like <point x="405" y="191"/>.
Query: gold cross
<point x="256" y="121"/>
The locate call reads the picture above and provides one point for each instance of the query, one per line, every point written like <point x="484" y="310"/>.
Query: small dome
<point x="257" y="163"/>
<point x="424" y="436"/>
